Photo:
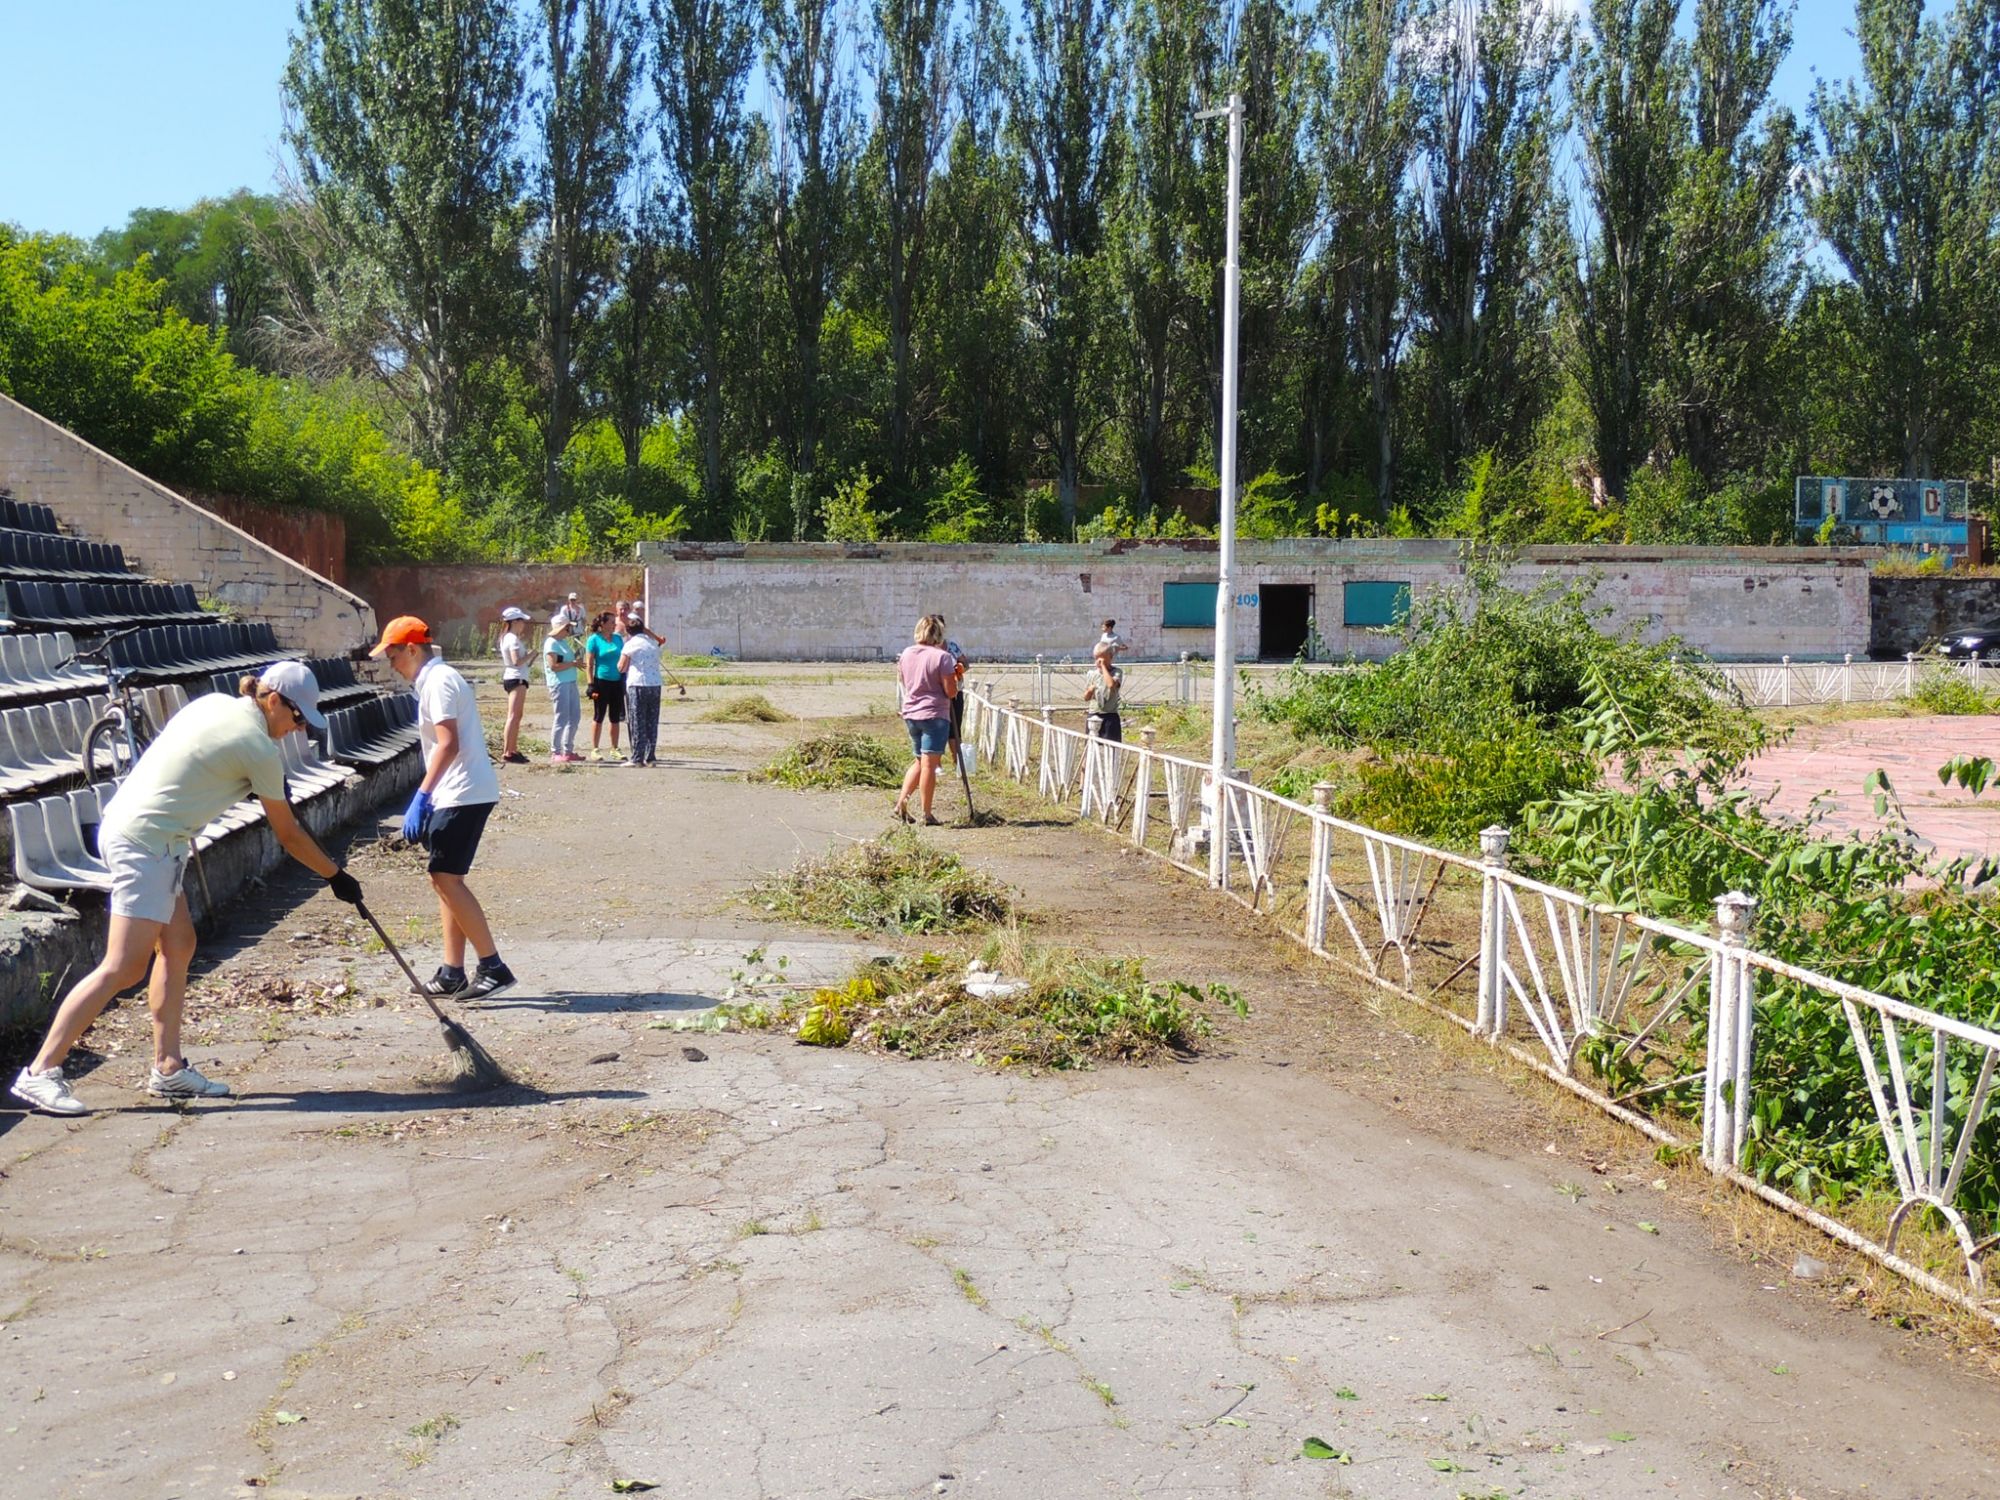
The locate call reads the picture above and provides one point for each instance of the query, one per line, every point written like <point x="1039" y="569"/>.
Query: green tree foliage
<point x="403" y="123"/>
<point x="1062" y="123"/>
<point x="583" y="125"/>
<point x="1364" y="133"/>
<point x="543" y="246"/>
<point x="1906" y="188"/>
<point x="1629" y="84"/>
<point x="700" y="63"/>
<point x="215" y="259"/>
<point x="1481" y="250"/>
<point x="809" y="186"/>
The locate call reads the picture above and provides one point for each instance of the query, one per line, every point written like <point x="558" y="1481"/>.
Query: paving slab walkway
<point x="1832" y="761"/>
<point x="738" y="1267"/>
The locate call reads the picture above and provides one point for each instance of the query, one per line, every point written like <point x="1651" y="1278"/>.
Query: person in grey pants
<point x="559" y="659"/>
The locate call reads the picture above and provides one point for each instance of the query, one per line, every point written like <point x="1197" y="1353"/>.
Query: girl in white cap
<point x="513" y="680"/>
<point x="212" y="754"/>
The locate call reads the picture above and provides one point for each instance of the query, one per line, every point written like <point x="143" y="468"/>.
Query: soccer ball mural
<point x="1928" y="514"/>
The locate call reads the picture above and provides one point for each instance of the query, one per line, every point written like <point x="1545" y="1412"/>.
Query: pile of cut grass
<point x="839" y="760"/>
<point x="746" y="708"/>
<point x="894" y="884"/>
<point x="1076" y="1010"/>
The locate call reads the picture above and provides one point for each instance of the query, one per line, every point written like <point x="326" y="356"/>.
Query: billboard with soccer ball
<point x="1926" y="513"/>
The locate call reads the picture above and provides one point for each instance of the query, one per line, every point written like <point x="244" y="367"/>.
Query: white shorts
<point x="144" y="886"/>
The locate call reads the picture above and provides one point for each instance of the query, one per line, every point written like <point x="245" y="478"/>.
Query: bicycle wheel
<point x="103" y="743"/>
<point x="105" y="755"/>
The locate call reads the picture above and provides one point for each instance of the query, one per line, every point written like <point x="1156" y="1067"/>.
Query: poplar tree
<point x="1149" y="233"/>
<point x="811" y="183"/>
<point x="1734" y="241"/>
<point x="1363" y="130"/>
<point x="582" y="108"/>
<point x="917" y="58"/>
<point x="1906" y="188"/>
<point x="974" y="302"/>
<point x="700" y="60"/>
<point x="1062" y="122"/>
<point x="1480" y="273"/>
<point x="402" y="119"/>
<point x="1629" y="86"/>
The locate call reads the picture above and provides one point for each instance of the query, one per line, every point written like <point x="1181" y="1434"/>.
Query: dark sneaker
<point x="488" y="982"/>
<point x="516" y="759"/>
<point x="446" y="983"/>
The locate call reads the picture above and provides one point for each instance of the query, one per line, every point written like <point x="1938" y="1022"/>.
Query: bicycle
<point x="124" y="728"/>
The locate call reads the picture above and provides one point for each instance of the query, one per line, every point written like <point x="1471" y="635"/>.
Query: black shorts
<point x="453" y="837"/>
<point x="607" y="701"/>
<point x="513" y="684"/>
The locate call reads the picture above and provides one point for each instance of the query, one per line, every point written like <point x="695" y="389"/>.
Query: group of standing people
<point x="617" y="666"/>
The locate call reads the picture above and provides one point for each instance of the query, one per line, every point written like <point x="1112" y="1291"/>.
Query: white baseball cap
<point x="513" y="612"/>
<point x="558" y="620"/>
<point x="572" y="596"/>
<point x="294" y="682"/>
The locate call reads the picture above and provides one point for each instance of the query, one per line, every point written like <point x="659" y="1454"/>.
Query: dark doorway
<point x="1284" y="620"/>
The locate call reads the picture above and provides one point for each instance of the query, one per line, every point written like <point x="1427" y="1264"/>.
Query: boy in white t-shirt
<point x="513" y="680"/>
<point x="449" y="810"/>
<point x="1110" y="642"/>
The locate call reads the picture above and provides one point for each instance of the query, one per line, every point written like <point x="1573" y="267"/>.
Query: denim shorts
<point x="929" y="736"/>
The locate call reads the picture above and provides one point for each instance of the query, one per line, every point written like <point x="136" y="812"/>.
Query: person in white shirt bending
<point x="513" y="680"/>
<point x="449" y="810"/>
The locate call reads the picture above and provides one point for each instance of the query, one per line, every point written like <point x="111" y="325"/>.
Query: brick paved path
<point x="1837" y="758"/>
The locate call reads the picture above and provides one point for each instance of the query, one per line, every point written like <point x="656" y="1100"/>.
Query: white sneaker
<point x="48" y="1092"/>
<point x="186" y="1083"/>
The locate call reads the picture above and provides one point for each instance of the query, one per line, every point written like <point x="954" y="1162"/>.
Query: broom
<point x="469" y="1067"/>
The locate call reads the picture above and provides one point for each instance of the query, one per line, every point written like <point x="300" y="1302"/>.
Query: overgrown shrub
<point x="1945" y="690"/>
<point x="1491" y="706"/>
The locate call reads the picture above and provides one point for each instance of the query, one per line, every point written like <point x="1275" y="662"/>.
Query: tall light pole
<point x="1222" y="742"/>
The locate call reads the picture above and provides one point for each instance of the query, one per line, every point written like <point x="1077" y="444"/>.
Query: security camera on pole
<point x="1222" y="746"/>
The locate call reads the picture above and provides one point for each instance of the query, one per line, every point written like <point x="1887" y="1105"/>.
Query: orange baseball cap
<point x="404" y="630"/>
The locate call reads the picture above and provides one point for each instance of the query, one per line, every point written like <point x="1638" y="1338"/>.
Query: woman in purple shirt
<point x="929" y="675"/>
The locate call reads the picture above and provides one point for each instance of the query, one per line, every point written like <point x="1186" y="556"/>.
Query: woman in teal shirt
<point x="607" y="681"/>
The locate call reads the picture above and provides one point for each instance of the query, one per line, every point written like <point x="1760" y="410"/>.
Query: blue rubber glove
<point x="416" y="818"/>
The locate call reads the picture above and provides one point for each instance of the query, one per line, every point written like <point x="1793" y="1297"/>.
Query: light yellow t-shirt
<point x="213" y="753"/>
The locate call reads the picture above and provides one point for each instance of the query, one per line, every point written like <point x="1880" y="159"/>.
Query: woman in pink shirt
<point x="929" y="675"/>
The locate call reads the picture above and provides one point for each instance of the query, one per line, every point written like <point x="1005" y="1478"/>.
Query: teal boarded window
<point x="1188" y="606"/>
<point x="1371" y="604"/>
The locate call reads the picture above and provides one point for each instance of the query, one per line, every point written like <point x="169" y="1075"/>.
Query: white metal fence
<point x="1607" y="1003"/>
<point x="1059" y="681"/>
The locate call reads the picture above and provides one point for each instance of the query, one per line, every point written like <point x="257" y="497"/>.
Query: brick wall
<point x="314" y="539"/>
<point x="168" y="537"/>
<point x="461" y="602"/>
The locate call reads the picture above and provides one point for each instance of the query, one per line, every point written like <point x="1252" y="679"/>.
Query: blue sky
<point x="131" y="104"/>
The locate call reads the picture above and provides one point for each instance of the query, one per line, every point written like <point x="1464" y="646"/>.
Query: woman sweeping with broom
<point x="212" y="754"/>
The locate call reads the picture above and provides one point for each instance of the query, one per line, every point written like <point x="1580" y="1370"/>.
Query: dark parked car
<point x="1979" y="640"/>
